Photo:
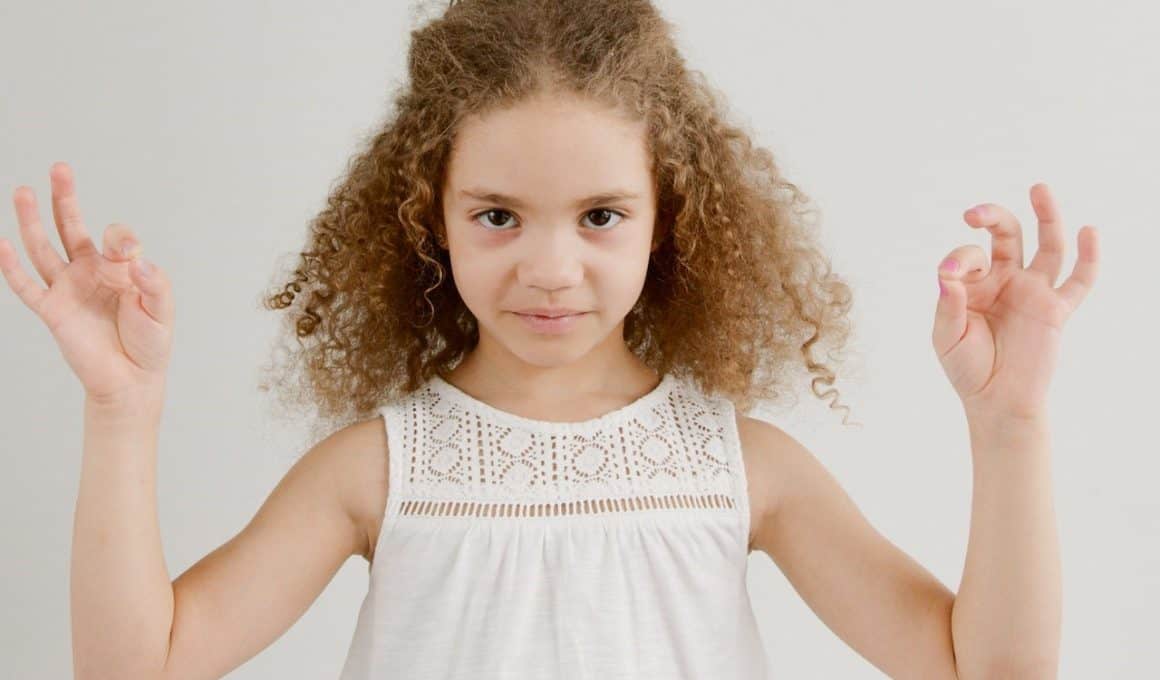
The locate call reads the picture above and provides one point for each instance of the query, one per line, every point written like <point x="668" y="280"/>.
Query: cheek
<point x="621" y="284"/>
<point x="476" y="279"/>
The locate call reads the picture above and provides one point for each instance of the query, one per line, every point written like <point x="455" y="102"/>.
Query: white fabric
<point x="611" y="548"/>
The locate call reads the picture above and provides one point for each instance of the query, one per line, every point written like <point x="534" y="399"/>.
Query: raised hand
<point x="997" y="326"/>
<point x="111" y="313"/>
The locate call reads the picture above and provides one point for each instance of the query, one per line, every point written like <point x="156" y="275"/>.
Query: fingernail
<point x="129" y="247"/>
<point x="980" y="211"/>
<point x="147" y="269"/>
<point x="949" y="265"/>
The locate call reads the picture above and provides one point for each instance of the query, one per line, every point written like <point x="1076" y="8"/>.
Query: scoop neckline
<point x="641" y="404"/>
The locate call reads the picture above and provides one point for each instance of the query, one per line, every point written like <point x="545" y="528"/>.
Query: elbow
<point x="1041" y="668"/>
<point x="113" y="662"/>
<point x="1023" y="668"/>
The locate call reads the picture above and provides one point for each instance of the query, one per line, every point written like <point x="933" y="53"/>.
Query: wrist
<point x="130" y="405"/>
<point x="1005" y="431"/>
<point x="1028" y="418"/>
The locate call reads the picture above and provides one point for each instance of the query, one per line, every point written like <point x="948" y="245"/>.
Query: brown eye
<point x="489" y="214"/>
<point x="604" y="211"/>
<point x="600" y="224"/>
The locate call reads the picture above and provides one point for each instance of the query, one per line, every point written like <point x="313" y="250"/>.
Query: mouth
<point x="541" y="313"/>
<point x="553" y="325"/>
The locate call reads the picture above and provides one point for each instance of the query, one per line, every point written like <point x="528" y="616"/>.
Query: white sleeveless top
<point x="615" y="547"/>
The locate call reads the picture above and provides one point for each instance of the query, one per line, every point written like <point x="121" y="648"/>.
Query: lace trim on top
<point x="584" y="507"/>
<point x="455" y="455"/>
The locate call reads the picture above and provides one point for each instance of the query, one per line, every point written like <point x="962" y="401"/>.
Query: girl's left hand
<point x="997" y="328"/>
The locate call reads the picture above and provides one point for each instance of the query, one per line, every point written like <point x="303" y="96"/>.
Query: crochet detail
<point x="454" y="455"/>
<point x="477" y="509"/>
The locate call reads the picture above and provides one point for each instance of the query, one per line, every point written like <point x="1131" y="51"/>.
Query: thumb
<point x="950" y="316"/>
<point x="154" y="290"/>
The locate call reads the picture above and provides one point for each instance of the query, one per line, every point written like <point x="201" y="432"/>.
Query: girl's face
<point x="546" y="237"/>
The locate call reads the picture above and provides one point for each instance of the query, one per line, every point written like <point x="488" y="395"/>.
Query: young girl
<point x="547" y="293"/>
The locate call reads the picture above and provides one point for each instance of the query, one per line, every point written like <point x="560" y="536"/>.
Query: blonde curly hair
<point x="736" y="296"/>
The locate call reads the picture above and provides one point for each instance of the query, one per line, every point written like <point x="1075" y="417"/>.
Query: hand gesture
<point x="997" y="326"/>
<point x="110" y="312"/>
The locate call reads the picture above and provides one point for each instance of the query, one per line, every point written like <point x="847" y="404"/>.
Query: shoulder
<point x="788" y="483"/>
<point x="360" y="464"/>
<point x="767" y="453"/>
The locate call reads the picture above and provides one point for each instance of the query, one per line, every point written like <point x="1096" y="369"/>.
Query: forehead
<point x="557" y="145"/>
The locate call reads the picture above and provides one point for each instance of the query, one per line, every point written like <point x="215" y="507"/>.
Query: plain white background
<point x="215" y="129"/>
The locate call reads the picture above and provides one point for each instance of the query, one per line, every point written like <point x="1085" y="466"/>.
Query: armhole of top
<point x="740" y="479"/>
<point x="394" y="432"/>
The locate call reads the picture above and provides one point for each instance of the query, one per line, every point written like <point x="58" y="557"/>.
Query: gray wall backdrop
<point x="214" y="130"/>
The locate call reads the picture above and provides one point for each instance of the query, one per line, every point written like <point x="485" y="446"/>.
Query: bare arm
<point x="236" y="600"/>
<point x="244" y="595"/>
<point x="121" y="600"/>
<point x="881" y="602"/>
<point x="1007" y="616"/>
<point x="113" y="319"/>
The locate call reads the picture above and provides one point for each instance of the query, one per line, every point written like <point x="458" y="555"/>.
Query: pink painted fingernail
<point x="980" y="211"/>
<point x="950" y="264"/>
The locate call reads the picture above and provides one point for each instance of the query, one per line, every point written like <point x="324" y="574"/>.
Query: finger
<point x="950" y="317"/>
<point x="119" y="244"/>
<point x="67" y="214"/>
<point x="28" y="290"/>
<point x="1083" y="274"/>
<point x="1006" y="234"/>
<point x="43" y="256"/>
<point x="965" y="263"/>
<point x="1049" y="256"/>
<point x="156" y="297"/>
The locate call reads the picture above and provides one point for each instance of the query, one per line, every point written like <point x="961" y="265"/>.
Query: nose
<point x="551" y="262"/>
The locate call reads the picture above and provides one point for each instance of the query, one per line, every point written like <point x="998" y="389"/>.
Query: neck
<point x="613" y="376"/>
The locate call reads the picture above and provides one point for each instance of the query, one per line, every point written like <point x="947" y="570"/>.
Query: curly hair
<point x="735" y="298"/>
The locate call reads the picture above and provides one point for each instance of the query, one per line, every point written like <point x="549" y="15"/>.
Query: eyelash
<point x="618" y="213"/>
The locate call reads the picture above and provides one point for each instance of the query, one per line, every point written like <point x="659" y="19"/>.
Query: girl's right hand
<point x="112" y="321"/>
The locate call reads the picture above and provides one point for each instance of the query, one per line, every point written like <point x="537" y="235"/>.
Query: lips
<point x="550" y="325"/>
<point x="553" y="313"/>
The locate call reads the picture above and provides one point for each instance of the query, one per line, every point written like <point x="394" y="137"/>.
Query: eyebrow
<point x="595" y="199"/>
